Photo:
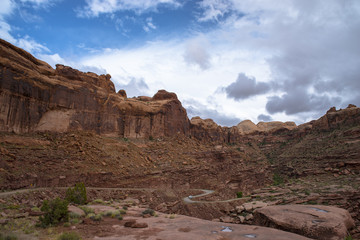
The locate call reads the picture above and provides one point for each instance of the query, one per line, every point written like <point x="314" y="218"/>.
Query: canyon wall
<point x="36" y="97"/>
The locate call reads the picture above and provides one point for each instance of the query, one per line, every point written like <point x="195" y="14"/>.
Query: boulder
<point x="249" y="206"/>
<point x="74" y="209"/>
<point x="227" y="219"/>
<point x="314" y="221"/>
<point x="122" y="93"/>
<point x="164" y="95"/>
<point x="247" y="126"/>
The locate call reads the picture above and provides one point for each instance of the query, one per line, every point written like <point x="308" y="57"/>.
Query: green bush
<point x="277" y="179"/>
<point x="149" y="211"/>
<point x="239" y="194"/>
<point x="77" y="194"/>
<point x="55" y="211"/>
<point x="69" y="236"/>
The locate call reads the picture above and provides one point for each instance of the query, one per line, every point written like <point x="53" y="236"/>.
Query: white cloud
<point x="5" y="29"/>
<point x="7" y="6"/>
<point x="214" y="9"/>
<point x="31" y="46"/>
<point x="149" y="25"/>
<point x="196" y="52"/>
<point x="94" y="8"/>
<point x="52" y="59"/>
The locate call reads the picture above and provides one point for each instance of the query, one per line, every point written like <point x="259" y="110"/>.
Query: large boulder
<point x="314" y="221"/>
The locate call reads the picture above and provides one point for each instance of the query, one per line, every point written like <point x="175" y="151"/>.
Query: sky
<point x="228" y="60"/>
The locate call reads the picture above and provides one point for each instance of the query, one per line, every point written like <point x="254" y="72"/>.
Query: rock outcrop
<point x="207" y="130"/>
<point x="334" y="118"/>
<point x="35" y="97"/>
<point x="314" y="221"/>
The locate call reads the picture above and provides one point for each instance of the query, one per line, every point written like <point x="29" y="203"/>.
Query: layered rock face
<point x="35" y="97"/>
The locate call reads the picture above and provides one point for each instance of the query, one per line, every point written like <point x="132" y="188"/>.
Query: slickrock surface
<point x="186" y="228"/>
<point x="314" y="221"/>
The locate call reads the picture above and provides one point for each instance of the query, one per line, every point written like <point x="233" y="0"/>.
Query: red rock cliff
<point x="35" y="97"/>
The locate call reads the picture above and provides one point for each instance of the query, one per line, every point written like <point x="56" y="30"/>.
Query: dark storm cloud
<point x="245" y="87"/>
<point x="318" y="65"/>
<point x="264" y="118"/>
<point x="299" y="101"/>
<point x="195" y="108"/>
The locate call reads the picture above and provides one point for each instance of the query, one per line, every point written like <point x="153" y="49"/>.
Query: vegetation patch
<point x="69" y="236"/>
<point x="277" y="179"/>
<point x="55" y="211"/>
<point x="239" y="194"/>
<point x="149" y="211"/>
<point x="77" y="195"/>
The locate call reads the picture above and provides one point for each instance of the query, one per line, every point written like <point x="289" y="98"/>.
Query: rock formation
<point x="314" y="221"/>
<point x="35" y="97"/>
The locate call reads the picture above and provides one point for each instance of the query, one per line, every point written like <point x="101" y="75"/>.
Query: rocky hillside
<point x="61" y="126"/>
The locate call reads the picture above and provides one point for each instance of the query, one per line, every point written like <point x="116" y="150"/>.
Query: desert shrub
<point x="67" y="224"/>
<point x="69" y="236"/>
<point x="107" y="213"/>
<point x="96" y="217"/>
<point x="277" y="179"/>
<point x="99" y="201"/>
<point x="35" y="209"/>
<point x="125" y="207"/>
<point x="239" y="194"/>
<point x="55" y="211"/>
<point x="75" y="220"/>
<point x="348" y="237"/>
<point x="8" y="237"/>
<point x="77" y="194"/>
<point x="90" y="215"/>
<point x="87" y="210"/>
<point x="148" y="211"/>
<point x="74" y="215"/>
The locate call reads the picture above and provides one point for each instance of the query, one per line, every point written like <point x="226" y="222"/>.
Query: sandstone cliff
<point x="35" y="97"/>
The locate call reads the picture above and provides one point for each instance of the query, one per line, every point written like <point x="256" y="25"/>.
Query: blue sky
<point x="229" y="60"/>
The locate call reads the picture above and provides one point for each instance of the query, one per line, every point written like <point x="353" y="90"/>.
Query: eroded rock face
<point x="314" y="221"/>
<point x="35" y="97"/>
<point x="333" y="118"/>
<point x="208" y="130"/>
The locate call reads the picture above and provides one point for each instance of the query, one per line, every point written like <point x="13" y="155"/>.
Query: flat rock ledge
<point x="314" y="221"/>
